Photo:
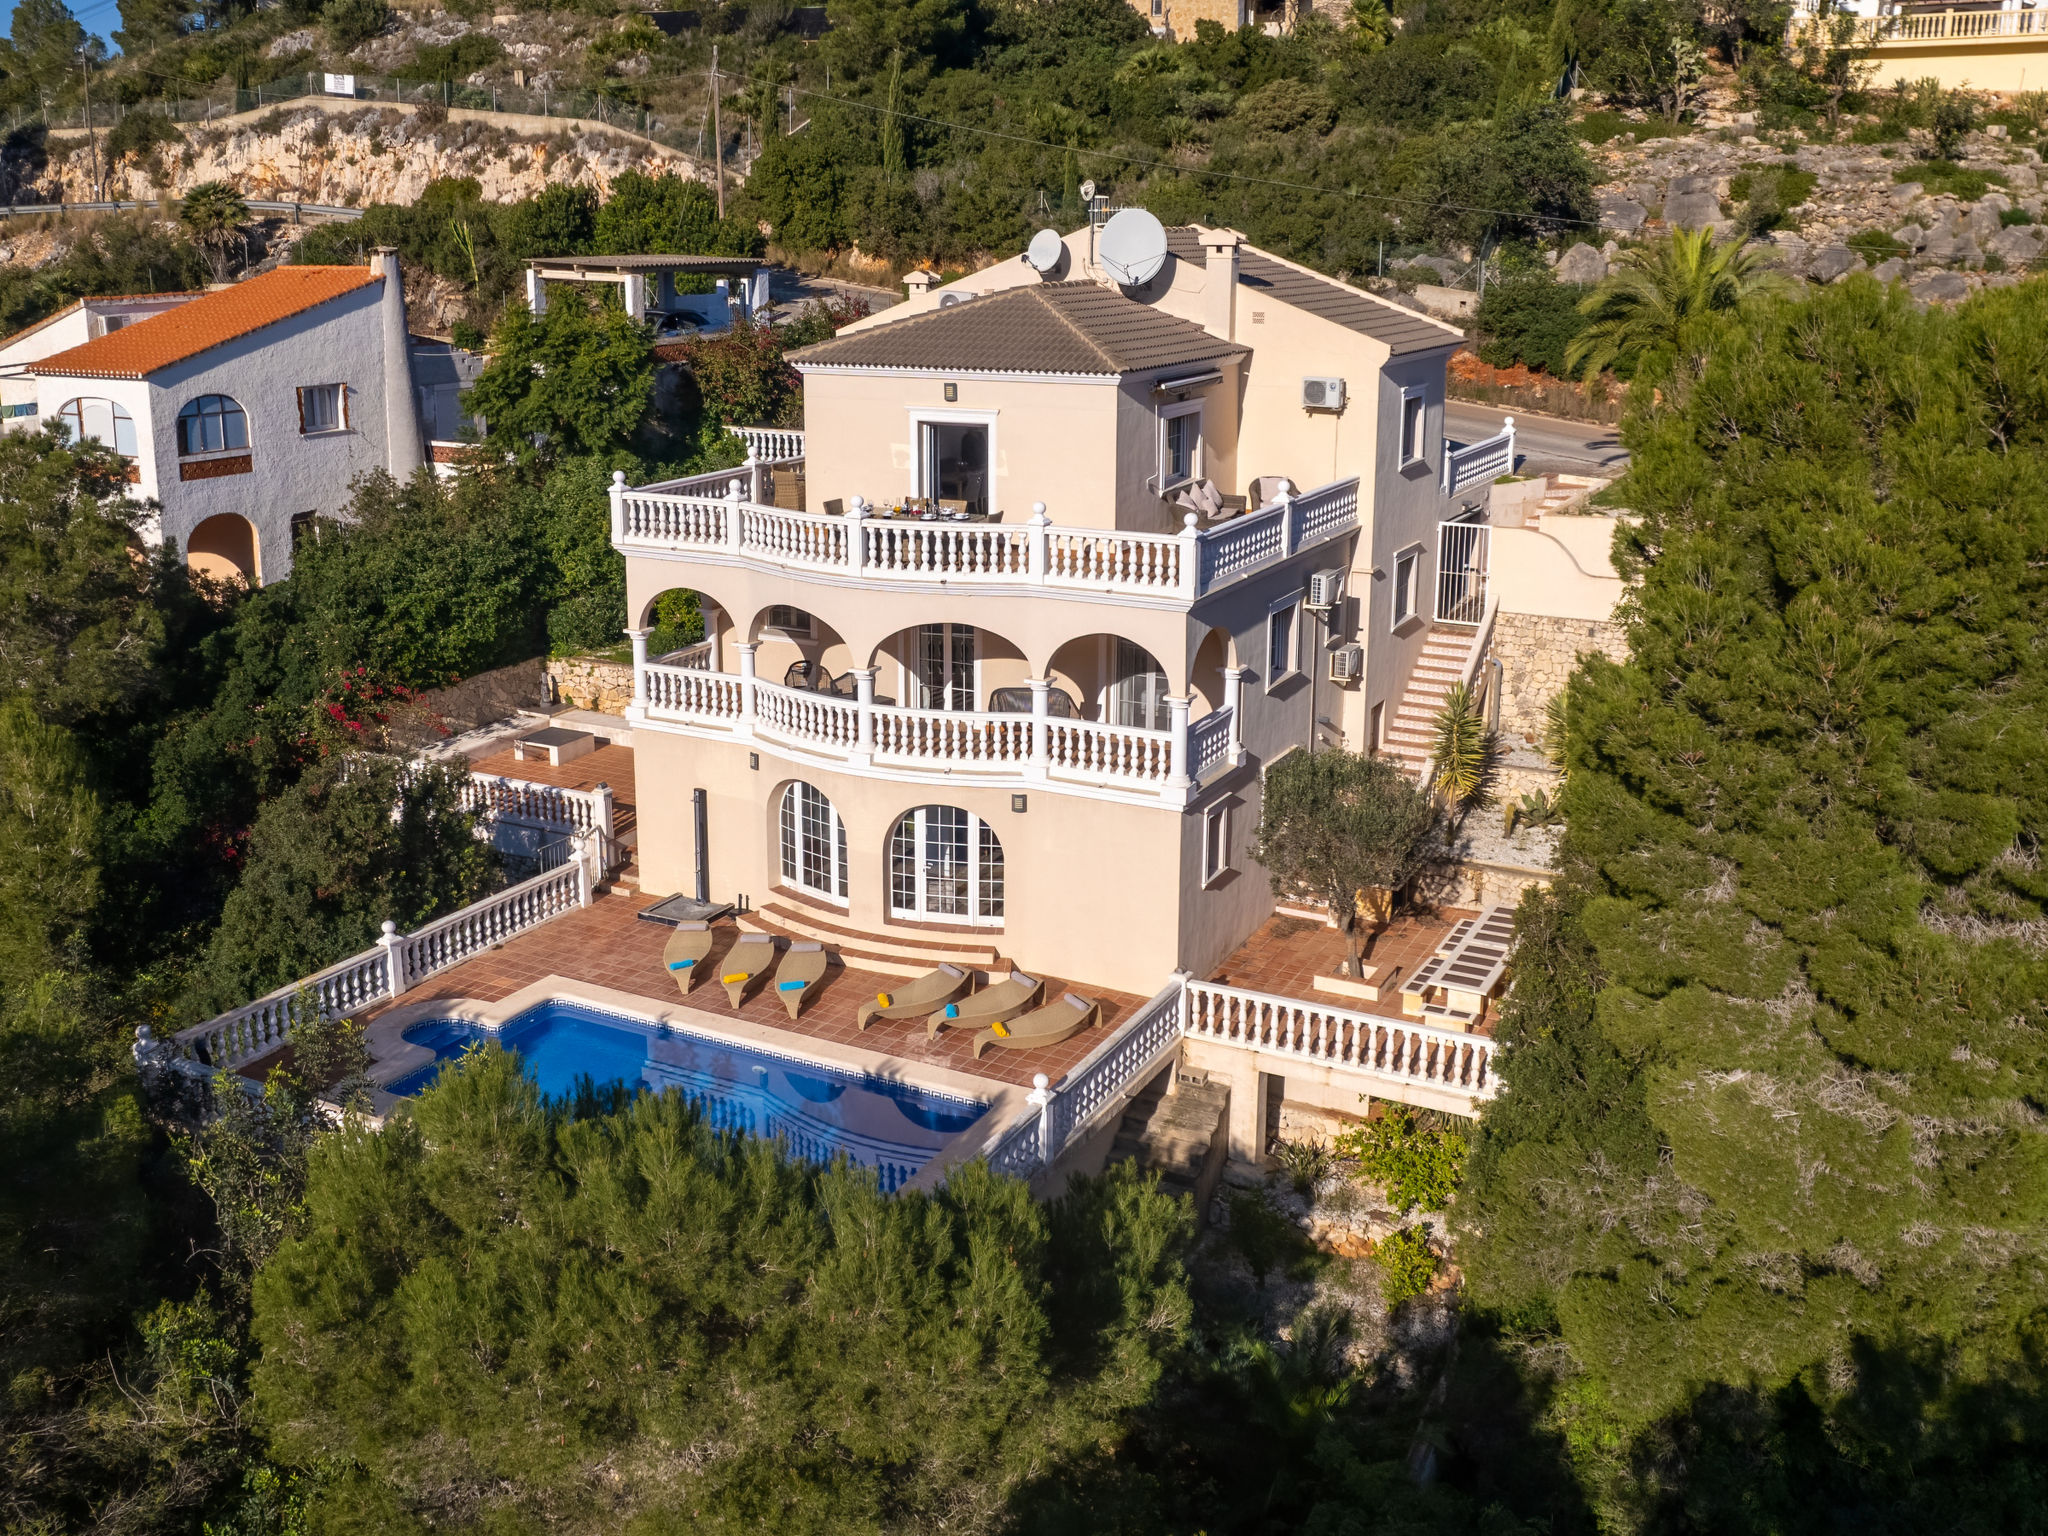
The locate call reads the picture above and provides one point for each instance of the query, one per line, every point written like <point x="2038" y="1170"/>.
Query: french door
<point x="945" y="865"/>
<point x="813" y="844"/>
<point x="945" y="666"/>
<point x="1138" y="696"/>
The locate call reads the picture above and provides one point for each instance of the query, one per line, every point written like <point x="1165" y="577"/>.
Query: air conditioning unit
<point x="1322" y="394"/>
<point x="1347" y="663"/>
<point x="1326" y="589"/>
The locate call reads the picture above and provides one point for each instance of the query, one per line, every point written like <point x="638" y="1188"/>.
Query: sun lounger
<point x="750" y="955"/>
<point x="914" y="999"/>
<point x="685" y="952"/>
<point x="802" y="968"/>
<point x="1042" y="1026"/>
<point x="991" y="1005"/>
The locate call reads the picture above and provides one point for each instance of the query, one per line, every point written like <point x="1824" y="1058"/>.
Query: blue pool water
<point x="820" y="1111"/>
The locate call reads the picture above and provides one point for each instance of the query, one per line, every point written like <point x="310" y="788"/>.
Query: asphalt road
<point x="1543" y="444"/>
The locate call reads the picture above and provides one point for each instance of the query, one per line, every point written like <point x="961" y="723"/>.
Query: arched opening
<point x="224" y="548"/>
<point x="212" y="424"/>
<point x="1205" y="680"/>
<point x="813" y="844"/>
<point x="945" y="865"/>
<point x="954" y="667"/>
<point x="103" y="421"/>
<point x="797" y="649"/>
<point x="1114" y="681"/>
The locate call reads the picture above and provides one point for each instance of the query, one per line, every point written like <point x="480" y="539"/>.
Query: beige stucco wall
<point x="1981" y="64"/>
<point x="1090" y="884"/>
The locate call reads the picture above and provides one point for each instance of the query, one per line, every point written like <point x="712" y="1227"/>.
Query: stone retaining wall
<point x="1537" y="655"/>
<point x="591" y="682"/>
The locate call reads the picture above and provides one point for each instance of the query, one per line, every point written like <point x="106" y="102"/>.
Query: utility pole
<point x="85" y="73"/>
<point x="717" y="133"/>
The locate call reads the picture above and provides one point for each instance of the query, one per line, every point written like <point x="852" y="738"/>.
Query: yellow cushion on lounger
<point x="738" y="976"/>
<point x="882" y="998"/>
<point x="1002" y="1031"/>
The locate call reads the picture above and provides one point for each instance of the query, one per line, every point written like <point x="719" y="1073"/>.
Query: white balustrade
<point x="1326" y="510"/>
<point x="1209" y="741"/>
<point x="1143" y="562"/>
<point x="1243" y="544"/>
<point x="485" y="924"/>
<point x="254" y="1030"/>
<point x="1108" y="1073"/>
<point x="545" y="805"/>
<point x="806" y="718"/>
<point x="1382" y="1048"/>
<point x="1480" y="463"/>
<point x="771" y="445"/>
<point x="678" y="522"/>
<point x="1089" y="749"/>
<point x="685" y="693"/>
<point x="937" y="737"/>
<point x="793" y="538"/>
<point x="944" y="551"/>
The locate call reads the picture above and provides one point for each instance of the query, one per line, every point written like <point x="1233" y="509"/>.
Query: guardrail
<point x="771" y="445"/>
<point x="1480" y="463"/>
<point x="711" y="515"/>
<point x="125" y="205"/>
<point x="527" y="803"/>
<point x="396" y="963"/>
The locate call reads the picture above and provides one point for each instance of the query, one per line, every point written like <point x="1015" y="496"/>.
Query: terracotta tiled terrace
<point x="609" y="764"/>
<point x="1286" y="955"/>
<point x="606" y="944"/>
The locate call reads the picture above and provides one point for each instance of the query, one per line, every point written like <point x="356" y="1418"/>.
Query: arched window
<point x="946" y="864"/>
<point x="813" y="843"/>
<point x="211" y="424"/>
<point x="1138" y="694"/>
<point x="101" y="420"/>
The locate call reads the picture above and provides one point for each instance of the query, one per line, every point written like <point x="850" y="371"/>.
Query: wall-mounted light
<point x="754" y="761"/>
<point x="1019" y="802"/>
<point x="952" y="393"/>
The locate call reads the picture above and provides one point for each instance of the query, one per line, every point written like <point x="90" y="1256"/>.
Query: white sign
<point x="341" y="85"/>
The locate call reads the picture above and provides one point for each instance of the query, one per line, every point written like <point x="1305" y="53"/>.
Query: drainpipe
<point x="402" y="455"/>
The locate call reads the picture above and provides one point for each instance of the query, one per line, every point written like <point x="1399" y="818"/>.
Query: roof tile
<point x="138" y="350"/>
<point x="1402" y="330"/>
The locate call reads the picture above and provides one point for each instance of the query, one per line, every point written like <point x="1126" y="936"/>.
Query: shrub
<point x="1418" y="1166"/>
<point x="1407" y="1264"/>
<point x="139" y="134"/>
<point x="2013" y="217"/>
<point x="1304" y="1163"/>
<point x="1874" y="245"/>
<point x="351" y="23"/>
<point x="1945" y="176"/>
<point x="1529" y="317"/>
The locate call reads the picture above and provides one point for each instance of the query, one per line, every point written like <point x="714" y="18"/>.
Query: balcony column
<point x="639" y="639"/>
<point x="864" y="697"/>
<point x="1190" y="558"/>
<point x="1178" y="777"/>
<point x="1037" y="546"/>
<point x="856" y="537"/>
<point x="1041" y="728"/>
<point x="733" y="531"/>
<point x="618" y="507"/>
<point x="746" y="648"/>
<point x="1286" y="500"/>
<point x="1233" y="700"/>
<point x="755" y="470"/>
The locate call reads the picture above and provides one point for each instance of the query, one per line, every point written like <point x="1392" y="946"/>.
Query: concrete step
<point x="1182" y="1136"/>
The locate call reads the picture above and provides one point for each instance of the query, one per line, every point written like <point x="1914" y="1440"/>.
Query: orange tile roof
<point x="136" y="351"/>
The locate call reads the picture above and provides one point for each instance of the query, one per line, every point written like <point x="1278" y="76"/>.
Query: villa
<point x="998" y="649"/>
<point x="2000" y="45"/>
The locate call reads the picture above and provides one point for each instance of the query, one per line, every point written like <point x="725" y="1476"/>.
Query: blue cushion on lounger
<point x="791" y="986"/>
<point x="952" y="1010"/>
<point x="680" y="965"/>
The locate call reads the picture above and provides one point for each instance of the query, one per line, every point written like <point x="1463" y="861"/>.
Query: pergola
<point x="633" y="274"/>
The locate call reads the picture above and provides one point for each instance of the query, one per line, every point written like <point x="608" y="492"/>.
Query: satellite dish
<point x="1047" y="252"/>
<point x="1132" y="248"/>
<point x="1087" y="191"/>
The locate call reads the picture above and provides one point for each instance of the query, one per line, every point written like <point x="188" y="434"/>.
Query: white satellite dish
<point x="1046" y="252"/>
<point x="1132" y="248"/>
<point x="1087" y="192"/>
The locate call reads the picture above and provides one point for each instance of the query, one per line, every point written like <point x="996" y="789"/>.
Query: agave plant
<point x="1461" y="759"/>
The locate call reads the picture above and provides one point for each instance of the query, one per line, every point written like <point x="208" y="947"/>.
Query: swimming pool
<point x="820" y="1111"/>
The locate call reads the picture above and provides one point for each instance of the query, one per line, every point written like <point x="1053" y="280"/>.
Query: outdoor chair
<point x="1013" y="700"/>
<point x="1266" y="489"/>
<point x="914" y="999"/>
<point x="685" y="953"/>
<point x="802" y="968"/>
<point x="991" y="1005"/>
<point x="1042" y="1026"/>
<point x="750" y="955"/>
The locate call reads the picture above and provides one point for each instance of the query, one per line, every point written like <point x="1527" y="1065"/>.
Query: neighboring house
<point x="2000" y="45"/>
<point x="249" y="410"/>
<point x="1176" y="20"/>
<point x="677" y="295"/>
<point x="21" y="398"/>
<point x="1074" y="564"/>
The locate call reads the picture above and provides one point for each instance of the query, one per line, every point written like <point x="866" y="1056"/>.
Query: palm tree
<point x="216" y="216"/>
<point x="1656" y="291"/>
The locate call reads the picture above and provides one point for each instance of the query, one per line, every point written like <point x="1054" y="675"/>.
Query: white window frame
<point x="1405" y="589"/>
<point x="836" y="829"/>
<point x="341" y="413"/>
<point x="1414" y="396"/>
<point x="1174" y="412"/>
<point x="910" y="661"/>
<point x="924" y="416"/>
<point x="1216" y="843"/>
<point x="808" y="630"/>
<point x="1292" y="606"/>
<point x="922" y="912"/>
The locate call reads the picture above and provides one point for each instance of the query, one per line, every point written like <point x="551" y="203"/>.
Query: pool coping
<point x="392" y="1056"/>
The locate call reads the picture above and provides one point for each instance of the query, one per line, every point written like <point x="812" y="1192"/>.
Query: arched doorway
<point x="224" y="548"/>
<point x="813" y="844"/>
<point x="945" y="865"/>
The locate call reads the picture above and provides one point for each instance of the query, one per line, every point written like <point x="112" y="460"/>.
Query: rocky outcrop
<point x="373" y="155"/>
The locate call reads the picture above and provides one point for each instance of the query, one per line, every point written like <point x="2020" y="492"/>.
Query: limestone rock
<point x="1688" y="186"/>
<point x="1622" y="215"/>
<point x="1905" y="192"/>
<point x="1967" y="252"/>
<point x="1940" y="287"/>
<point x="1831" y="262"/>
<point x="2018" y="246"/>
<point x="1982" y="222"/>
<point x="1794" y="253"/>
<point x="1692" y="210"/>
<point x="1889" y="271"/>
<point x="1581" y="264"/>
<point x="1911" y="236"/>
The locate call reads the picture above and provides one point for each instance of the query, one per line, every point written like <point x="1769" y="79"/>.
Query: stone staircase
<point x="891" y="954"/>
<point x="1184" y="1135"/>
<point x="1407" y="738"/>
<point x="1566" y="492"/>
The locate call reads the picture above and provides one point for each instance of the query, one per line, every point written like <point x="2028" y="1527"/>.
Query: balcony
<point x="722" y="518"/>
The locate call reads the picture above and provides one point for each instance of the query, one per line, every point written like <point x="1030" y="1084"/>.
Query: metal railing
<point x="128" y="205"/>
<point x="1461" y="555"/>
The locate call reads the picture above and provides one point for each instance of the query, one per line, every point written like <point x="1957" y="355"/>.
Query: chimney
<point x="1219" y="292"/>
<point x="402" y="451"/>
<point x="921" y="283"/>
